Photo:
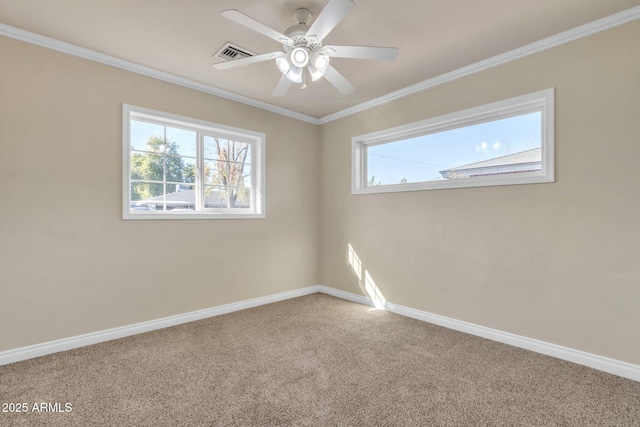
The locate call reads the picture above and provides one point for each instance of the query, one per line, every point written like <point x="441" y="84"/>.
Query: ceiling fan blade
<point x="282" y="87"/>
<point x="362" y="52"/>
<point x="246" y="61"/>
<point x="331" y="15"/>
<point x="251" y="23"/>
<point x="338" y="80"/>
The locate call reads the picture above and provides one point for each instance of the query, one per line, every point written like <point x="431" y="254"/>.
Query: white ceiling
<point x="179" y="37"/>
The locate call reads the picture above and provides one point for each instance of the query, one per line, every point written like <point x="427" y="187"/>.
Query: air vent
<point x="229" y="52"/>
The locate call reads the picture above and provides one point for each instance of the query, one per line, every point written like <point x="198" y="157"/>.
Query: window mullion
<point x="199" y="188"/>
<point x="164" y="170"/>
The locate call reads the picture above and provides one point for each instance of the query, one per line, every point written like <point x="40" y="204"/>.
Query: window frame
<point x="203" y="128"/>
<point x="542" y="101"/>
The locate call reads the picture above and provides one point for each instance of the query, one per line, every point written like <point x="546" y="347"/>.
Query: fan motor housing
<point x="302" y="16"/>
<point x="297" y="34"/>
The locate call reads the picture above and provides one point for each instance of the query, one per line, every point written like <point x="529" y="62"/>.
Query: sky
<point x="422" y="158"/>
<point x="185" y="140"/>
<point x="142" y="131"/>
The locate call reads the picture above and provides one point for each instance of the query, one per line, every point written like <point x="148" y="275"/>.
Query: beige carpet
<point x="313" y="361"/>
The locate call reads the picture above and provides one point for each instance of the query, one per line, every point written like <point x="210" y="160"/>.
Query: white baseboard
<point x="360" y="299"/>
<point x="36" y="350"/>
<point x="605" y="364"/>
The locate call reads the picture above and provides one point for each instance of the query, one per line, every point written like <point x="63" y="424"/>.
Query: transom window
<point x="506" y="142"/>
<point x="175" y="167"/>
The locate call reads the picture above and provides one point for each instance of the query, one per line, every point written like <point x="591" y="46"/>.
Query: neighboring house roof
<point x="182" y="197"/>
<point x="186" y="199"/>
<point x="523" y="161"/>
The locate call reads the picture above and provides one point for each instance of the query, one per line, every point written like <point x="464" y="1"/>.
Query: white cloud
<point x="482" y="147"/>
<point x="496" y="145"/>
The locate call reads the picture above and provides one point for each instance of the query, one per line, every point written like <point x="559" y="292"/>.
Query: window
<point x="503" y="143"/>
<point x="180" y="168"/>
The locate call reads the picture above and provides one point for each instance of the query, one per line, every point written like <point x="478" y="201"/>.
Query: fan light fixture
<point x="284" y="64"/>
<point x="303" y="52"/>
<point x="292" y="65"/>
<point x="318" y="65"/>
<point x="295" y="74"/>
<point x="300" y="56"/>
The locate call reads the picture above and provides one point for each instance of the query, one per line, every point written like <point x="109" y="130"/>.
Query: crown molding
<point x="91" y="55"/>
<point x="544" y="44"/>
<point x="535" y="47"/>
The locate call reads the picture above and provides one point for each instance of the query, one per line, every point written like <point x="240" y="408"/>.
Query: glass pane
<point x="147" y="166"/>
<point x="215" y="172"/>
<point x="500" y="147"/>
<point x="188" y="170"/>
<point x="145" y="191"/>
<point x="227" y="197"/>
<point x="239" y="152"/>
<point x="142" y="133"/>
<point x="180" y="197"/>
<point x="239" y="175"/>
<point x="215" y="197"/>
<point x="215" y="148"/>
<point x="181" y="142"/>
<point x="225" y="173"/>
<point x="178" y="188"/>
<point x="224" y="149"/>
<point x="245" y="177"/>
<point x="240" y="197"/>
<point x="180" y="169"/>
<point x="147" y="196"/>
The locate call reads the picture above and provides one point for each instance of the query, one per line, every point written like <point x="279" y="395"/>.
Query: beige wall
<point x="558" y="262"/>
<point x="70" y="265"/>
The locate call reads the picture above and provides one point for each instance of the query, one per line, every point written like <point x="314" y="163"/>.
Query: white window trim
<point x="258" y="140"/>
<point x="542" y="101"/>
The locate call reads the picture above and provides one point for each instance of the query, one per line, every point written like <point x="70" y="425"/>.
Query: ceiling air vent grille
<point x="229" y="52"/>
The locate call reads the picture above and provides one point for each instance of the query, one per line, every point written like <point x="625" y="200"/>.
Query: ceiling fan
<point x="303" y="51"/>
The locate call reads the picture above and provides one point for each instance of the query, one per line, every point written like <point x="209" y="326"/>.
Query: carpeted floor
<point x="312" y="361"/>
